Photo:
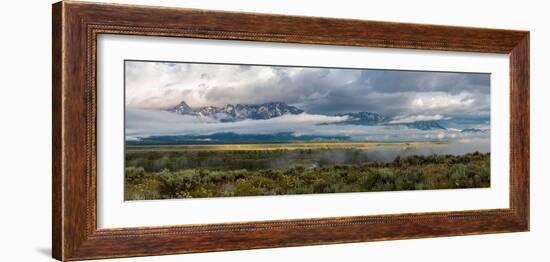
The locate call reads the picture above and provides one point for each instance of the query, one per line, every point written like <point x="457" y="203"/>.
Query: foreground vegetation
<point x="196" y="174"/>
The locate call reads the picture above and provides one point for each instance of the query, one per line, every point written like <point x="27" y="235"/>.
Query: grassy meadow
<point x="198" y="171"/>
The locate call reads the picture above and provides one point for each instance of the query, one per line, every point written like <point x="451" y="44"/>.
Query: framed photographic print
<point x="181" y="130"/>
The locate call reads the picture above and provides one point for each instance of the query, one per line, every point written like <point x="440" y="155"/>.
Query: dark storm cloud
<point x="403" y="81"/>
<point x="394" y="92"/>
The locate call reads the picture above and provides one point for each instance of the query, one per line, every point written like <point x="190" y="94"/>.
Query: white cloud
<point x="161" y="85"/>
<point x="305" y="118"/>
<point x="413" y="118"/>
<point x="439" y="100"/>
<point x="146" y="122"/>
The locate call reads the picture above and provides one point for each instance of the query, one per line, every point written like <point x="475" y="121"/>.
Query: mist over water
<point x="453" y="148"/>
<point x="330" y="157"/>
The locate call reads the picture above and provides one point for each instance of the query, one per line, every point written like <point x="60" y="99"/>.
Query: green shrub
<point x="322" y="186"/>
<point x="458" y="177"/>
<point x="183" y="180"/>
<point x="261" y="182"/>
<point x="381" y="179"/>
<point x="201" y="191"/>
<point x="245" y="188"/>
<point x="135" y="174"/>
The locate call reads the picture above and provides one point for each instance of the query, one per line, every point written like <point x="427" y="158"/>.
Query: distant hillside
<point x="423" y="125"/>
<point x="233" y="138"/>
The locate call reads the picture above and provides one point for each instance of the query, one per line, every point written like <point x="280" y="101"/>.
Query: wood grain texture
<point x="76" y="26"/>
<point x="57" y="195"/>
<point x="519" y="129"/>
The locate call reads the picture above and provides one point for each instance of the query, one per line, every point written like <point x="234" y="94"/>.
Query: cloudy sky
<point x="157" y="85"/>
<point x="456" y="100"/>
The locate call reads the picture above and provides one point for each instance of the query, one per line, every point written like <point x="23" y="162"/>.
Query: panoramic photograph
<point x="199" y="130"/>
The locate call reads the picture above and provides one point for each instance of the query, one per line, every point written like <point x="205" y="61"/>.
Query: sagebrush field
<point x="167" y="172"/>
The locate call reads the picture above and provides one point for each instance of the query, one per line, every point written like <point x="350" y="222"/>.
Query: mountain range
<point x="239" y="112"/>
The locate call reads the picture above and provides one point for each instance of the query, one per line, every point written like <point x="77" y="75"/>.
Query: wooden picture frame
<point x="76" y="26"/>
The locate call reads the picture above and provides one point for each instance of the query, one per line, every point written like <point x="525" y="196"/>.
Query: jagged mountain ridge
<point x="239" y="112"/>
<point x="371" y="119"/>
<point x="424" y="125"/>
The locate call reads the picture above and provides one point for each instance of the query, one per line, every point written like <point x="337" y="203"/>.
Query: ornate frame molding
<point x="76" y="26"/>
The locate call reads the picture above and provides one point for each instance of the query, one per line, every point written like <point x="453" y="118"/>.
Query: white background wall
<point x="25" y="150"/>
